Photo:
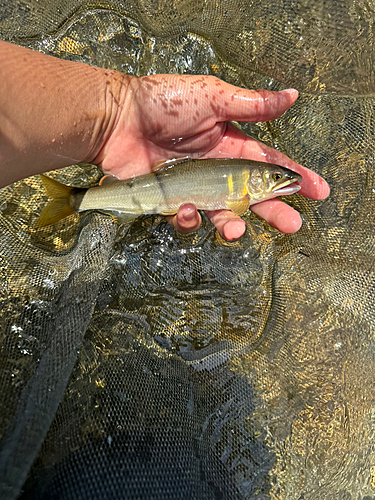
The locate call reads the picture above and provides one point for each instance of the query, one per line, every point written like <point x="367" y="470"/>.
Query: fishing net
<point x="138" y="363"/>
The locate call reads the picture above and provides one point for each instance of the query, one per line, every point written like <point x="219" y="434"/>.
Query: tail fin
<point x="60" y="207"/>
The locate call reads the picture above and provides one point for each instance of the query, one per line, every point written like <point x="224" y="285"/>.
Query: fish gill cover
<point x="138" y="363"/>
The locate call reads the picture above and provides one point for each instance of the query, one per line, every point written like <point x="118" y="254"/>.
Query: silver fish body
<point x="210" y="184"/>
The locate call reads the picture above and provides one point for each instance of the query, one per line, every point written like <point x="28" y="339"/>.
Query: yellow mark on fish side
<point x="245" y="177"/>
<point x="230" y="183"/>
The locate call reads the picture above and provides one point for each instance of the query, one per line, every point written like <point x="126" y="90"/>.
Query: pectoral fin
<point x="239" y="207"/>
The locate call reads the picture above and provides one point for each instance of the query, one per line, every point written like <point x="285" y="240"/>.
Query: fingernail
<point x="190" y="214"/>
<point x="291" y="92"/>
<point x="233" y="230"/>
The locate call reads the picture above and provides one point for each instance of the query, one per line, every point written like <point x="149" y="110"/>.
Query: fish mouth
<point x="290" y="189"/>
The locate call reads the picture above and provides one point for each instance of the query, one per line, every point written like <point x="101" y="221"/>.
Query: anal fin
<point x="119" y="217"/>
<point x="170" y="212"/>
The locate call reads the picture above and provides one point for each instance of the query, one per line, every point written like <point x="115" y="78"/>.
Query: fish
<point x="210" y="184"/>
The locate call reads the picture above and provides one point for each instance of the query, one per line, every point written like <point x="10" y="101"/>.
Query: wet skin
<point x="171" y="116"/>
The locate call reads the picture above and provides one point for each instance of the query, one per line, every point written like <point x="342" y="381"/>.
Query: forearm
<point x="53" y="113"/>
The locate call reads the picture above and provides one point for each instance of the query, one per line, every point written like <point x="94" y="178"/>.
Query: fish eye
<point x="277" y="176"/>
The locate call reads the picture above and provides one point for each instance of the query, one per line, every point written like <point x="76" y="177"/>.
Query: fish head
<point x="270" y="181"/>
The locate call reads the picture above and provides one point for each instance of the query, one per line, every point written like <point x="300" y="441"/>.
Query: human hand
<point x="172" y="116"/>
<point x="70" y="112"/>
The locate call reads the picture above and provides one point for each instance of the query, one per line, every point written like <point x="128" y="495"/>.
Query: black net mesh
<point x="138" y="363"/>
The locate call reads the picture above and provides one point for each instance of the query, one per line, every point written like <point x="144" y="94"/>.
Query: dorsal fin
<point x="162" y="165"/>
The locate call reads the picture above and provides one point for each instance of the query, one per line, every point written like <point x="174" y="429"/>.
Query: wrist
<point x="113" y="92"/>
